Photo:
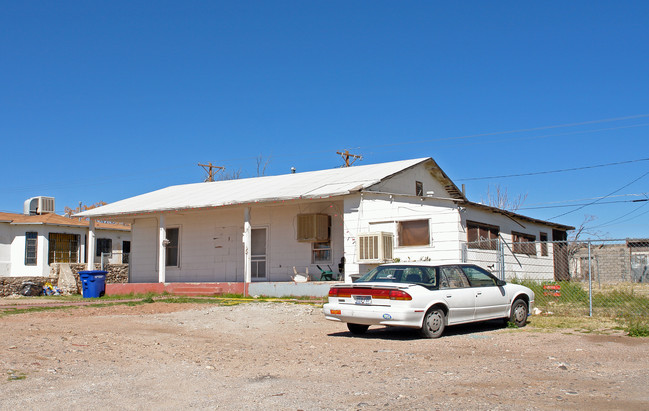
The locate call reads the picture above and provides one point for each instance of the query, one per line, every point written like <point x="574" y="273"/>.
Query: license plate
<point x="363" y="299"/>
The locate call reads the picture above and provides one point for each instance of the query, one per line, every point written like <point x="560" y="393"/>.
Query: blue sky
<point x="104" y="100"/>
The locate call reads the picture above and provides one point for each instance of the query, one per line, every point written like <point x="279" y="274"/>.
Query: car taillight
<point x="333" y="292"/>
<point x="400" y="295"/>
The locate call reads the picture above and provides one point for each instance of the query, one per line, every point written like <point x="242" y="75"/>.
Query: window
<point x="452" y="277"/>
<point x="414" y="233"/>
<point x="31" y="250"/>
<point x="479" y="277"/>
<point x="321" y="252"/>
<point x="258" y="240"/>
<point x="419" y="188"/>
<point x="543" y="237"/>
<point x="63" y="248"/>
<point x="524" y="243"/>
<point x="482" y="236"/>
<point x="173" y="235"/>
<point x="126" y="251"/>
<point x="104" y="246"/>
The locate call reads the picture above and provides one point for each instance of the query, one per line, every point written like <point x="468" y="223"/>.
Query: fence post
<point x="590" y="282"/>
<point x="501" y="255"/>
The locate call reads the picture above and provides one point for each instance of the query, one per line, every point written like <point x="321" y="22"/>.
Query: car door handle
<point x="449" y="296"/>
<point x="478" y="293"/>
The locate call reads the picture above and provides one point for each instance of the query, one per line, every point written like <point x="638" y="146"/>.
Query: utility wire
<point x="622" y="216"/>
<point x="596" y="201"/>
<point x="584" y="204"/>
<point x="564" y="170"/>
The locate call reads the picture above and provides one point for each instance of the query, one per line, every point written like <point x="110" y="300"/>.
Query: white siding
<point x="371" y="212"/>
<point x="211" y="248"/>
<point x="516" y="265"/>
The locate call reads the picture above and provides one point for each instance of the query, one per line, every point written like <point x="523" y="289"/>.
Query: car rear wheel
<point x="519" y="313"/>
<point x="357" y="329"/>
<point x="434" y="323"/>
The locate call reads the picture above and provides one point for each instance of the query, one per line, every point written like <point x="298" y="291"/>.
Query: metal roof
<point x="313" y="184"/>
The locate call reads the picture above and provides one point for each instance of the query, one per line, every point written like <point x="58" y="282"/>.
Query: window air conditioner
<point x="375" y="247"/>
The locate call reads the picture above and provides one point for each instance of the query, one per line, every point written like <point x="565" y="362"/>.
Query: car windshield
<point x="421" y="275"/>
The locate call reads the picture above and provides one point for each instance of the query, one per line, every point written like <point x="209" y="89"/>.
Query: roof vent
<point x="39" y="205"/>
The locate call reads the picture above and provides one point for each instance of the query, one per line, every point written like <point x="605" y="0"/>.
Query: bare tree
<point x="229" y="175"/>
<point x="262" y="165"/>
<point x="499" y="198"/>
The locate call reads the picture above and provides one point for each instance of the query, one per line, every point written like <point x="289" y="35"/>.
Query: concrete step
<point x="193" y="290"/>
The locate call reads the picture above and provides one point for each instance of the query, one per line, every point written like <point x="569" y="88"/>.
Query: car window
<point x="383" y="274"/>
<point x="479" y="277"/>
<point x="425" y="276"/>
<point x="452" y="277"/>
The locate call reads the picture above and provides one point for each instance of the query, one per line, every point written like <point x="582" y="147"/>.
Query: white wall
<point x="211" y="248"/>
<point x="12" y="247"/>
<point x="516" y="265"/>
<point x="5" y="249"/>
<point x="378" y="212"/>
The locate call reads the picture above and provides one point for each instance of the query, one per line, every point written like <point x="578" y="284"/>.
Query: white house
<point x="30" y="242"/>
<point x="259" y="229"/>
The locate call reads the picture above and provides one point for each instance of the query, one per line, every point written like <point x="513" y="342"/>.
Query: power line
<point x="622" y="216"/>
<point x="642" y="195"/>
<point x="554" y="171"/>
<point x="584" y="204"/>
<point x="606" y="196"/>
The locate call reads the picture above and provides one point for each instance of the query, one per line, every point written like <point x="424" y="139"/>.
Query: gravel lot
<point x="286" y="356"/>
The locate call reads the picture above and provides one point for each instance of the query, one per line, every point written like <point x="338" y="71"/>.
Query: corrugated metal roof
<point x="314" y="184"/>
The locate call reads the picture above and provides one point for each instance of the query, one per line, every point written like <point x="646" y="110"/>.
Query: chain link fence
<point x="597" y="278"/>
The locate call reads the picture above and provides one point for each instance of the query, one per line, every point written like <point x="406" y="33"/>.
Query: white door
<point x="258" y="255"/>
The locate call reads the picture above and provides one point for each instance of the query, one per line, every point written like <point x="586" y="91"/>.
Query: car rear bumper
<point x="373" y="315"/>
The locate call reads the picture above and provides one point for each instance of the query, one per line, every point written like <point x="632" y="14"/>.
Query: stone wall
<point x="13" y="285"/>
<point x="117" y="274"/>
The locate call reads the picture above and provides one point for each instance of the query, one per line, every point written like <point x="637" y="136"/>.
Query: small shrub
<point x="637" y="329"/>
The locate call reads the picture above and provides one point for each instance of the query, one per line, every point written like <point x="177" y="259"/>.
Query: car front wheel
<point x="519" y="313"/>
<point x="434" y="323"/>
<point x="357" y="329"/>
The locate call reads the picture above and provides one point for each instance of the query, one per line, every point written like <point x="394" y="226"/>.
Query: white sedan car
<point x="427" y="296"/>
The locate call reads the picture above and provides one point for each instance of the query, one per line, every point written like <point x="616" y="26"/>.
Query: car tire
<point x="434" y="323"/>
<point x="518" y="315"/>
<point x="357" y="329"/>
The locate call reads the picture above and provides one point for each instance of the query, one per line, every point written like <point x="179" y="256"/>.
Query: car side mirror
<point x="501" y="283"/>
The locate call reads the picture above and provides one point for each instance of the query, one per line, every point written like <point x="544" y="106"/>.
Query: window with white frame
<point x="321" y="252"/>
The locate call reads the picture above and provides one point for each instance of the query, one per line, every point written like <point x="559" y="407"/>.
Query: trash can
<point x="93" y="283"/>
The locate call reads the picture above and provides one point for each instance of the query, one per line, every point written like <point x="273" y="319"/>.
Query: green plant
<point x="637" y="329"/>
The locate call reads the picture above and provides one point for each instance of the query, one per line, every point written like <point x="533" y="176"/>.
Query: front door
<point x="258" y="255"/>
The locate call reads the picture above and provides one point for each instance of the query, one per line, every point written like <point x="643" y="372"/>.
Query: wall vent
<point x="375" y="247"/>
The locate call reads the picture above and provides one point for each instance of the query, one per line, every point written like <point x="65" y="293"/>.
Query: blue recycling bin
<point x="93" y="283"/>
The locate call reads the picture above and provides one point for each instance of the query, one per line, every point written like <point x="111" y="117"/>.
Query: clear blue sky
<point x="104" y="100"/>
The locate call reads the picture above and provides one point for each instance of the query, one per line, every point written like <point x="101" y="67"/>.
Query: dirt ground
<point x="287" y="356"/>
